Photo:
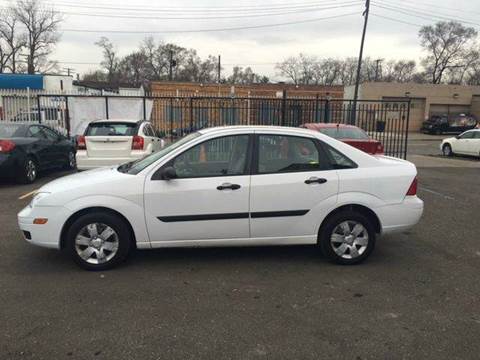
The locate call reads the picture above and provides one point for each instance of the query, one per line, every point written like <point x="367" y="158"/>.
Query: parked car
<point x="112" y="142"/>
<point x="229" y="186"/>
<point x="467" y="143"/>
<point x="349" y="134"/>
<point x="26" y="149"/>
<point x="440" y="124"/>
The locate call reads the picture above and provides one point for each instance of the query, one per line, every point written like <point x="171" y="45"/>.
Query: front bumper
<point x="400" y="217"/>
<point x="46" y="235"/>
<point x="84" y="162"/>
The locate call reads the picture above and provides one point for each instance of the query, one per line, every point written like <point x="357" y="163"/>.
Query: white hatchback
<point x="229" y="186"/>
<point x="112" y="142"/>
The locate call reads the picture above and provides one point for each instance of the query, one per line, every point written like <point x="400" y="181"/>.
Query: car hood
<point x="90" y="178"/>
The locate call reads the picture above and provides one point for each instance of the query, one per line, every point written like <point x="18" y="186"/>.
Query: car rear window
<point x="111" y="129"/>
<point x="345" y="133"/>
<point x="12" y="130"/>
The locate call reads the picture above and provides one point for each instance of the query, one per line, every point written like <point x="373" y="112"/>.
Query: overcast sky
<point x="327" y="28"/>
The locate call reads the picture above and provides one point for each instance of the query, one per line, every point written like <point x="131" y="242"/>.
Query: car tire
<point x="347" y="246"/>
<point x="29" y="171"/>
<point x="99" y="241"/>
<point x="447" y="150"/>
<point x="71" y="163"/>
<point x="438" y="132"/>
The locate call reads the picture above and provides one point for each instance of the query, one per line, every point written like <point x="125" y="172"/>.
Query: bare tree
<point x="245" y="76"/>
<point x="13" y="39"/>
<point x="401" y="71"/>
<point x="110" y="60"/>
<point x="447" y="45"/>
<point x="42" y="34"/>
<point x="290" y="68"/>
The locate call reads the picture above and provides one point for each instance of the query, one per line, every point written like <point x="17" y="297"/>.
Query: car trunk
<point x="368" y="146"/>
<point x="108" y="146"/>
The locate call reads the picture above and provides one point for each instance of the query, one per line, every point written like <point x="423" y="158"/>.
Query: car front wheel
<point x="99" y="241"/>
<point x="347" y="238"/>
<point x="29" y="171"/>
<point x="447" y="150"/>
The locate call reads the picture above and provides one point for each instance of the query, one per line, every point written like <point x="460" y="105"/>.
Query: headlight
<point x="37" y="197"/>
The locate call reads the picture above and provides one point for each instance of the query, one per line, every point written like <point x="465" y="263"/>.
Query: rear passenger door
<point x="292" y="187"/>
<point x="41" y="146"/>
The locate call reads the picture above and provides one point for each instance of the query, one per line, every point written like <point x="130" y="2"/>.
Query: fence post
<point x="67" y="117"/>
<point x="191" y="114"/>
<point x="106" y="107"/>
<point x="406" y="129"/>
<point x="284" y="107"/>
<point x="316" y="108"/>
<point x="327" y="109"/>
<point x="144" y="107"/>
<point x="38" y="109"/>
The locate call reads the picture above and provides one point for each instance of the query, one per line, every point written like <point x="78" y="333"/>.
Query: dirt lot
<point x="417" y="297"/>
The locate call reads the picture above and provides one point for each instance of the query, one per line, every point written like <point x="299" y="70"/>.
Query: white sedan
<point x="467" y="143"/>
<point x="229" y="186"/>
<point x="112" y="142"/>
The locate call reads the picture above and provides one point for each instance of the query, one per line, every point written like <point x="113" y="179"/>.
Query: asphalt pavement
<point x="416" y="297"/>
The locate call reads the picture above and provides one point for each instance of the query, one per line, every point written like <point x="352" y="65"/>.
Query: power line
<point x="206" y="11"/>
<point x="342" y="5"/>
<point x="422" y="15"/>
<point x="436" y="6"/>
<point x="208" y="30"/>
<point x="396" y="20"/>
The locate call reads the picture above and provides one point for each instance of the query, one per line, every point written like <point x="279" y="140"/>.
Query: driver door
<point x="208" y="199"/>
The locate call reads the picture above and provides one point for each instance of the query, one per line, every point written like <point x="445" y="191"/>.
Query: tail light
<point x="137" y="143"/>
<point x="6" y="146"/>
<point x="81" y="144"/>
<point x="412" y="190"/>
<point x="379" y="149"/>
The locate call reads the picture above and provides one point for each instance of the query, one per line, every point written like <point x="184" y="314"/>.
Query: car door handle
<point x="315" y="180"/>
<point x="226" y="186"/>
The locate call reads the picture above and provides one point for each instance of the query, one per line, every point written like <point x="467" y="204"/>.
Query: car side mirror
<point x="168" y="173"/>
<point x="457" y="137"/>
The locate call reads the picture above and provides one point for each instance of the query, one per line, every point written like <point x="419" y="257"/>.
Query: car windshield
<point x="345" y="133"/>
<point x="134" y="167"/>
<point x="11" y="130"/>
<point x="111" y="129"/>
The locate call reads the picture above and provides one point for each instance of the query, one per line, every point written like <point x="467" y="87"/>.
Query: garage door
<point x="440" y="109"/>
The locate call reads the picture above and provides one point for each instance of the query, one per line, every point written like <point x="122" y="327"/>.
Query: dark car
<point x="26" y="149"/>
<point x="348" y="134"/>
<point x="454" y="124"/>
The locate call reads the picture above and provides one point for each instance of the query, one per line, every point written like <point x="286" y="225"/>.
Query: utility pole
<point x="359" y="66"/>
<point x="69" y="70"/>
<point x="219" y="69"/>
<point x="377" y="67"/>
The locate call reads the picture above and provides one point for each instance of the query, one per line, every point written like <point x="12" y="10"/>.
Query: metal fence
<point x="173" y="116"/>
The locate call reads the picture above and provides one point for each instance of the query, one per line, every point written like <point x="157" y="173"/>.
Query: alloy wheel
<point x="31" y="170"/>
<point x="72" y="162"/>
<point x="349" y="239"/>
<point x="96" y="243"/>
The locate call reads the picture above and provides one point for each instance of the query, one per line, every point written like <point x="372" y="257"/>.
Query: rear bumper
<point x="400" y="217"/>
<point x="84" y="162"/>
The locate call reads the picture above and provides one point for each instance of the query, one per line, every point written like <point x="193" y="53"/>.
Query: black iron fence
<point x="386" y="121"/>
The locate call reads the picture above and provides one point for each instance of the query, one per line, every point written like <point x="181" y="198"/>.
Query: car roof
<point x="327" y="125"/>
<point x="286" y="129"/>
<point x="133" y="121"/>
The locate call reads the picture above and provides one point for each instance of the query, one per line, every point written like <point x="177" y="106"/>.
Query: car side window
<point x="282" y="154"/>
<point x="467" y="135"/>
<point x="50" y="134"/>
<point x="337" y="159"/>
<point x="224" y="156"/>
<point x="477" y="135"/>
<point x="147" y="130"/>
<point x="36" y="132"/>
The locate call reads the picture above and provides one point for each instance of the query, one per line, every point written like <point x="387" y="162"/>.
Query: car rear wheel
<point x="71" y="161"/>
<point x="29" y="171"/>
<point x="447" y="150"/>
<point x="347" y="238"/>
<point x="99" y="241"/>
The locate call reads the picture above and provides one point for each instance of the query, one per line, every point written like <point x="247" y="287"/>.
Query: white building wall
<point x="55" y="83"/>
